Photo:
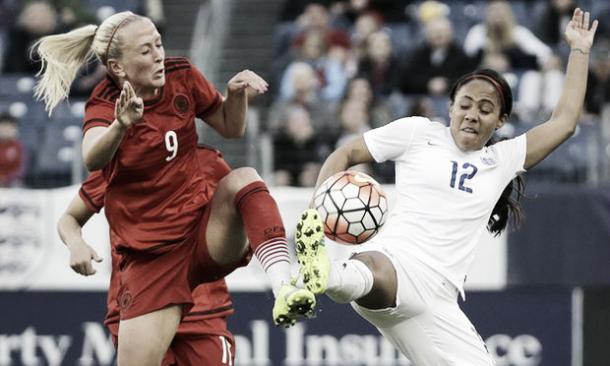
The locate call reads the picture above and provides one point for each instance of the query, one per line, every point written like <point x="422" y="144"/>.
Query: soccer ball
<point x="353" y="207"/>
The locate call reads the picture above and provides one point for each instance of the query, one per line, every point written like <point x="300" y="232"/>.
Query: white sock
<point x="275" y="260"/>
<point x="348" y="281"/>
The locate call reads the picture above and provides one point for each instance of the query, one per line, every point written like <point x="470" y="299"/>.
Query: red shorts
<point x="190" y="347"/>
<point x="197" y="342"/>
<point x="154" y="280"/>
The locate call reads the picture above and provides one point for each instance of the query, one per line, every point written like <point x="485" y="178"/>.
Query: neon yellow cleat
<point x="291" y="304"/>
<point x="311" y="252"/>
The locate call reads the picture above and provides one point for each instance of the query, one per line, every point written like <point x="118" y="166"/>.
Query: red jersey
<point x="211" y="299"/>
<point x="153" y="194"/>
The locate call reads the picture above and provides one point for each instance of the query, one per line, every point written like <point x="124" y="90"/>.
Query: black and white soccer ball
<point x="353" y="207"/>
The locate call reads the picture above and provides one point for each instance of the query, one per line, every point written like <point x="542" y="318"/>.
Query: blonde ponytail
<point x="62" y="55"/>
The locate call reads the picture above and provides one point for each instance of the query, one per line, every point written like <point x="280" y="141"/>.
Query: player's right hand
<point x="129" y="108"/>
<point x="81" y="256"/>
<point x="578" y="33"/>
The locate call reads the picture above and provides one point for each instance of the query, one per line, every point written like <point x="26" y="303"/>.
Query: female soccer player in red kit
<point x="175" y="231"/>
<point x="202" y="337"/>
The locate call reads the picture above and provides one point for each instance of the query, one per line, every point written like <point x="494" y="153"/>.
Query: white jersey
<point x="444" y="195"/>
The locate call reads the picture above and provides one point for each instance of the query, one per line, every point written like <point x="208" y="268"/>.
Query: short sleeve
<point x="93" y="191"/>
<point x="207" y="98"/>
<point x="392" y="140"/>
<point x="98" y="113"/>
<point x="511" y="154"/>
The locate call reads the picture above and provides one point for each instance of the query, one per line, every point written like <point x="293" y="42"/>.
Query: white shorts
<point x="427" y="324"/>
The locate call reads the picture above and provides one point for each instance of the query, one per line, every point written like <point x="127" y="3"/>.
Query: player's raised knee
<point x="239" y="178"/>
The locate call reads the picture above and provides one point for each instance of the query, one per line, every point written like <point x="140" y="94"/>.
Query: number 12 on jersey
<point x="468" y="171"/>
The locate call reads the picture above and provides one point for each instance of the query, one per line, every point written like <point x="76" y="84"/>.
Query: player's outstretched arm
<point x="69" y="227"/>
<point x="353" y="153"/>
<point x="543" y="139"/>
<point x="230" y="120"/>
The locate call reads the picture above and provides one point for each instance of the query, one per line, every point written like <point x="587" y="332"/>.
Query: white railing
<point x="208" y="36"/>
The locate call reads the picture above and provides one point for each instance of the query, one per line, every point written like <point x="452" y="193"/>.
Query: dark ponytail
<point x="508" y="204"/>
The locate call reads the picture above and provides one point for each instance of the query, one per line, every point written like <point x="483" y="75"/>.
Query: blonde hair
<point x="62" y="55"/>
<point x="502" y="37"/>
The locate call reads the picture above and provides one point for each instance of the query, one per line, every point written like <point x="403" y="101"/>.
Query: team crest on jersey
<point x="125" y="300"/>
<point x="181" y="103"/>
<point x="488" y="157"/>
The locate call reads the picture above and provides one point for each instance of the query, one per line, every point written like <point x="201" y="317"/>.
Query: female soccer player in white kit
<point x="450" y="183"/>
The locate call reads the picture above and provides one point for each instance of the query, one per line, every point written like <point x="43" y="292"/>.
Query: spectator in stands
<point x="316" y="18"/>
<point x="553" y="20"/>
<point x="359" y="90"/>
<point x="300" y="17"/>
<point x="12" y="153"/>
<point x="380" y="65"/>
<point x="37" y="18"/>
<point x="294" y="40"/>
<point x="301" y="89"/>
<point x="365" y="25"/>
<point x="354" y="119"/>
<point x="437" y="63"/>
<point x="298" y="150"/>
<point x="500" y="34"/>
<point x="328" y="68"/>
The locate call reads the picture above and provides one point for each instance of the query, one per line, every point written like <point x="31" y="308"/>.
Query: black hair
<point x="499" y="83"/>
<point x="509" y="203"/>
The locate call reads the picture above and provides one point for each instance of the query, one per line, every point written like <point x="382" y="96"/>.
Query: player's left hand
<point x="81" y="256"/>
<point x="578" y="34"/>
<point x="247" y="80"/>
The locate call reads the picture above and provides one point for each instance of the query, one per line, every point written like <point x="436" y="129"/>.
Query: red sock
<point x="265" y="230"/>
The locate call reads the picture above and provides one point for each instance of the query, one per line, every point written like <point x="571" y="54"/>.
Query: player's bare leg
<point x="144" y="340"/>
<point x="225" y="235"/>
<point x="244" y="214"/>
<point x="369" y="278"/>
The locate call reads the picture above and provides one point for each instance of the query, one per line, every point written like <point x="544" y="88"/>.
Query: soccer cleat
<point x="292" y="303"/>
<point x="311" y="252"/>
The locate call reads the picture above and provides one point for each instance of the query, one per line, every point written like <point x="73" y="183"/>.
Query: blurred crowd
<point x="343" y="67"/>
